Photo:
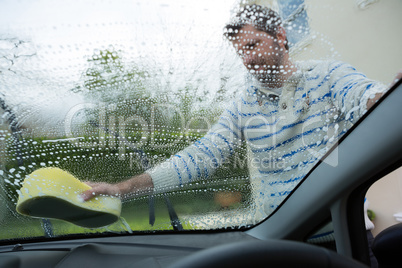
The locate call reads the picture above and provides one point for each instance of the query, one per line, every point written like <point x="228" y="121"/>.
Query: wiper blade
<point x="174" y="219"/>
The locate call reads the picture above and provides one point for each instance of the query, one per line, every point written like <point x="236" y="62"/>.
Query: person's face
<point x="262" y="53"/>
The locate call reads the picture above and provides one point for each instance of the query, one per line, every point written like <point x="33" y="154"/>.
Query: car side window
<point x="384" y="199"/>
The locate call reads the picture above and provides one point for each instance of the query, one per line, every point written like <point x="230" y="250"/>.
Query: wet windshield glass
<point x="181" y="115"/>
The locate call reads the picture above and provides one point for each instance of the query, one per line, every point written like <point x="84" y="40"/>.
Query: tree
<point x="108" y="80"/>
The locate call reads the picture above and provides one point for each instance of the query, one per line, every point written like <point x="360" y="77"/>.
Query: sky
<point x="61" y="35"/>
<point x="69" y="31"/>
<point x="66" y="32"/>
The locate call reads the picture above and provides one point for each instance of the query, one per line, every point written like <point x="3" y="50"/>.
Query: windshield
<point x="152" y="116"/>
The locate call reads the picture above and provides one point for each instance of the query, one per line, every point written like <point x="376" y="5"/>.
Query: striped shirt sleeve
<point x="201" y="159"/>
<point x="351" y="90"/>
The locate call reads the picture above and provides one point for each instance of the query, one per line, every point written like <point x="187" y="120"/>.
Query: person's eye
<point x="252" y="45"/>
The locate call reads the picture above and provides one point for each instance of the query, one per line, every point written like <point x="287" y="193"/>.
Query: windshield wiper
<point x="145" y="164"/>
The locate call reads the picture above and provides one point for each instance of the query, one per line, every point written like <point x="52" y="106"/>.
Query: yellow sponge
<point x="55" y="193"/>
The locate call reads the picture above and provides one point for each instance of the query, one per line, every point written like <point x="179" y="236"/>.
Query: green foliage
<point x="130" y="128"/>
<point x="371" y="214"/>
<point x="97" y="159"/>
<point x="108" y="80"/>
<point x="125" y="92"/>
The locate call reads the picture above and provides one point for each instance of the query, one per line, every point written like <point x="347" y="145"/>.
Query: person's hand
<point x="140" y="184"/>
<point x="397" y="78"/>
<point x="378" y="96"/>
<point x="100" y="188"/>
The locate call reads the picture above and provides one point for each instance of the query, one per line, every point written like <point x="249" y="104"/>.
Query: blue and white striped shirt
<point x="285" y="137"/>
